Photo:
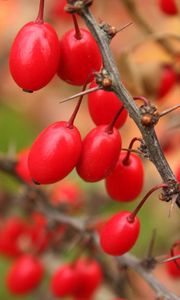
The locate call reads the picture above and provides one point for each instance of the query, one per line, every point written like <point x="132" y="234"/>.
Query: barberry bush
<point x="89" y="157"/>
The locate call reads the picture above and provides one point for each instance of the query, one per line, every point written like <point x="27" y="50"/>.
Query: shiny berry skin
<point x="67" y="193"/>
<point x="21" y="167"/>
<point x="168" y="7"/>
<point x="24" y="275"/>
<point x="125" y="182"/>
<point x="100" y="152"/>
<point x="54" y="153"/>
<point x="89" y="272"/>
<point x="34" y="56"/>
<point x="119" y="235"/>
<point x="167" y="81"/>
<point x="64" y="281"/>
<point x="172" y="269"/>
<point x="103" y="106"/>
<point x="80" y="58"/>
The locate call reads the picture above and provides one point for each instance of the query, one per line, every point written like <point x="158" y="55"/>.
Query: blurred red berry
<point x="168" y="7"/>
<point x="24" y="275"/>
<point x="67" y="193"/>
<point x="167" y="81"/>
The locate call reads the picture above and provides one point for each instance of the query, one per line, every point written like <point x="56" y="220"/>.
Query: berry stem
<point x="136" y="210"/>
<point x="72" y="118"/>
<point x="145" y="100"/>
<point x="40" y="16"/>
<point x="78" y="34"/>
<point x="109" y="128"/>
<point x="126" y="159"/>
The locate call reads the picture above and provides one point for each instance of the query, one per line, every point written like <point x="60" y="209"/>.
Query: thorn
<point x="80" y="94"/>
<point x="151" y="243"/>
<point x="124" y="27"/>
<point x="167" y="111"/>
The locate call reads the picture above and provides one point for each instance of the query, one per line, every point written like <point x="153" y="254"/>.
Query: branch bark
<point x="148" y="133"/>
<point x="135" y="264"/>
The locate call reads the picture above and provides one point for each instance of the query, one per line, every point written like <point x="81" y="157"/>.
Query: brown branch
<point x="135" y="264"/>
<point x="148" y="133"/>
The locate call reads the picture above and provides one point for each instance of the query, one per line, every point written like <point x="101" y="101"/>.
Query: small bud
<point x="146" y="120"/>
<point x="106" y="82"/>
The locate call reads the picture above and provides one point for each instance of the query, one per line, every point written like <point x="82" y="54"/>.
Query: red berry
<point x="34" y="56"/>
<point x="80" y="58"/>
<point x="100" y="151"/>
<point x="21" y="167"/>
<point x="103" y="106"/>
<point x="25" y="275"/>
<point x="167" y="81"/>
<point x="168" y="7"/>
<point x="54" y="153"/>
<point x="119" y="234"/>
<point x="126" y="180"/>
<point x="64" y="281"/>
<point x="172" y="269"/>
<point x="89" y="272"/>
<point x="12" y="229"/>
<point x="67" y="193"/>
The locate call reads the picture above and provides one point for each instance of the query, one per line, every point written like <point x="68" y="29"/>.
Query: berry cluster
<point x="59" y="149"/>
<point x="36" y="56"/>
<point x="67" y="280"/>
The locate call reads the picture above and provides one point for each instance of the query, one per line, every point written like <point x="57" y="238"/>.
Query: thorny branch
<point x="152" y="143"/>
<point x="148" y="133"/>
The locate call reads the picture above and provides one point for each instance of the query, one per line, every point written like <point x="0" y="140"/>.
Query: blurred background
<point x="141" y="60"/>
